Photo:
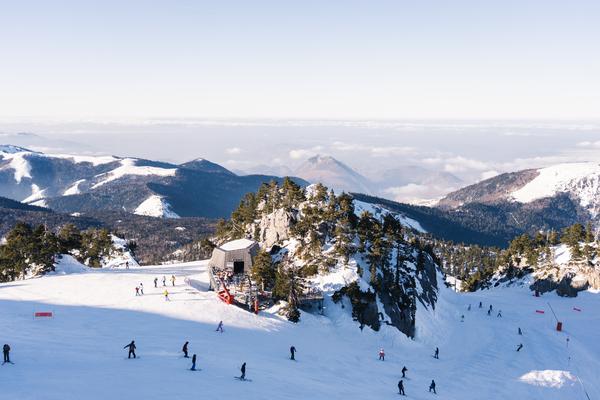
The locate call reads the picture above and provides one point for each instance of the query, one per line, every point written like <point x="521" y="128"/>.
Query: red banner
<point x="43" y="314"/>
<point x="538" y="311"/>
<point x="576" y="309"/>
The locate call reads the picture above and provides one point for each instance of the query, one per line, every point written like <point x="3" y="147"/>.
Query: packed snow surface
<point x="156" y="206"/>
<point x="74" y="189"/>
<point x="583" y="179"/>
<point x="79" y="353"/>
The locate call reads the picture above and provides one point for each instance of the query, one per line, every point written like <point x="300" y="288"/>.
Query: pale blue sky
<point x="309" y="59"/>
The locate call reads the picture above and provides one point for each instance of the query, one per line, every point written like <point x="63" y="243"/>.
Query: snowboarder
<point x="520" y="347"/>
<point x="5" y="350"/>
<point x="499" y="314"/>
<point x="173" y="279"/>
<point x="243" y="369"/>
<point x="194" y="362"/>
<point x="292" y="350"/>
<point x="403" y="372"/>
<point x="185" y="350"/>
<point x="155" y="280"/>
<point x="167" y="296"/>
<point x="164" y="280"/>
<point x="469" y="309"/>
<point x="220" y="327"/>
<point x="131" y="349"/>
<point x="401" y="388"/>
<point x="137" y="291"/>
<point x="520" y="333"/>
<point x="127" y="265"/>
<point x="141" y="288"/>
<point x="382" y="355"/>
<point x="432" y="386"/>
<point x="480" y="305"/>
<point x="437" y="352"/>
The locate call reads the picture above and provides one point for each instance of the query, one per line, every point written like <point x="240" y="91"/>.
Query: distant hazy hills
<point x="74" y="183"/>
<point x="404" y="183"/>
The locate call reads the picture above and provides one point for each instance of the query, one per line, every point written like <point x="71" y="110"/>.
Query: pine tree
<point x="263" y="270"/>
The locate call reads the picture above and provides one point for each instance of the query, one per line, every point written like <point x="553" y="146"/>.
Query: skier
<point x="382" y="355"/>
<point x="469" y="308"/>
<point x="127" y="265"/>
<point x="131" y="349"/>
<point x="220" y="327"/>
<point x="432" y="386"/>
<point x="141" y="288"/>
<point x="403" y="372"/>
<point x="194" y="362"/>
<point x="137" y="291"/>
<point x="243" y="369"/>
<point x="292" y="350"/>
<point x="489" y="311"/>
<point x="499" y="314"/>
<point x="462" y="318"/>
<point x="520" y="333"/>
<point x="437" y="352"/>
<point x="480" y="305"/>
<point x="155" y="280"/>
<point x="520" y="347"/>
<point x="164" y="280"/>
<point x="185" y="350"/>
<point x="490" y="307"/>
<point x="167" y="296"/>
<point x="401" y="388"/>
<point x="173" y="279"/>
<point x="5" y="350"/>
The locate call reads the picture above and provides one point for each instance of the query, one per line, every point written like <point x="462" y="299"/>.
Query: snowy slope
<point x="79" y="353"/>
<point x="581" y="179"/>
<point x="156" y="206"/>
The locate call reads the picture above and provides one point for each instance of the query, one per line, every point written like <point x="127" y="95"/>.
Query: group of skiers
<point x="139" y="290"/>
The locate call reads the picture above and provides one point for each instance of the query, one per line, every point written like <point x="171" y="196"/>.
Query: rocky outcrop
<point x="274" y="227"/>
<point x="566" y="281"/>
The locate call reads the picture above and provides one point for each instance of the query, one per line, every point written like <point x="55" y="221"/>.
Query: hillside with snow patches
<point x="580" y="179"/>
<point x="79" y="352"/>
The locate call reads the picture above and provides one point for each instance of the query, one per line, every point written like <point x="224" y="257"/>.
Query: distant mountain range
<point x="406" y="183"/>
<point x="66" y="183"/>
<point x="496" y="210"/>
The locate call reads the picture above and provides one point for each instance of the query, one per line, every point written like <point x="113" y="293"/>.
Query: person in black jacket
<point x="5" y="350"/>
<point x="292" y="350"/>
<point x="401" y="388"/>
<point x="185" y="350"/>
<point x="131" y="349"/>
<point x="403" y="371"/>
<point x="194" y="362"/>
<point x="243" y="369"/>
<point x="432" y="386"/>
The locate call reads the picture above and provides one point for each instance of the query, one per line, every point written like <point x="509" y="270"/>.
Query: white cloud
<point x="306" y="153"/>
<point x="392" y="151"/>
<point x="461" y="164"/>
<point x="235" y="150"/>
<point x="589" y="144"/>
<point x="489" y="174"/>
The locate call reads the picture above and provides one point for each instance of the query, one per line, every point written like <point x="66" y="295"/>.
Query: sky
<point x="310" y="59"/>
<point x="473" y="88"/>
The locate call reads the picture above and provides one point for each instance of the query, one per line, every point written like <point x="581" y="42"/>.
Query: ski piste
<point x="239" y="378"/>
<point x="194" y="370"/>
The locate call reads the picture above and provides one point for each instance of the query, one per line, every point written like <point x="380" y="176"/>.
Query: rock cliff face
<point x="567" y="281"/>
<point x="417" y="286"/>
<point x="274" y="227"/>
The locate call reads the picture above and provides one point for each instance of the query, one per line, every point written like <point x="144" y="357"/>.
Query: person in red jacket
<point x="185" y="350"/>
<point x="382" y="355"/>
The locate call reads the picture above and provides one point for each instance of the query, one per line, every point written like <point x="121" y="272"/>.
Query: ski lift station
<point x="235" y="256"/>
